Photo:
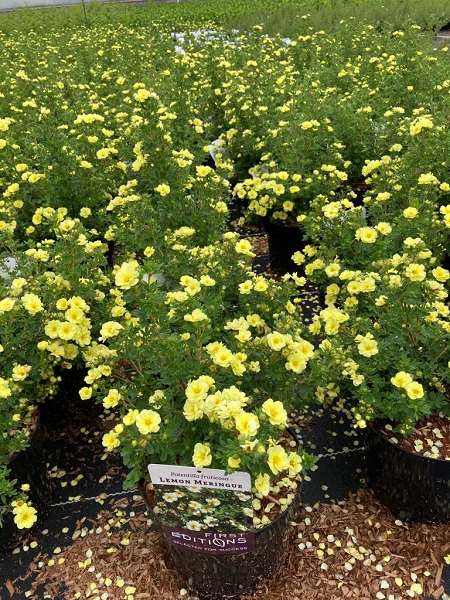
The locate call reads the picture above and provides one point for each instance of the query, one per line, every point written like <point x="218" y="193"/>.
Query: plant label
<point x="193" y="477"/>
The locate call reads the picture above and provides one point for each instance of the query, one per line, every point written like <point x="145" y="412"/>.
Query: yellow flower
<point x="32" y="303"/>
<point x="384" y="228"/>
<point x="127" y="275"/>
<point x="247" y="424"/>
<point x="130" y="417"/>
<point x="245" y="287"/>
<point x="112" y="398"/>
<point x="163" y="189"/>
<point x="423" y="122"/>
<point x="25" y="516"/>
<point x="427" y="179"/>
<point x="66" y="330"/>
<point x="414" y="390"/>
<point x="298" y="257"/>
<point x="142" y="95"/>
<point x="51" y="329"/>
<point x="295" y="464"/>
<point x="367" y="346"/>
<point x="276" y="412"/>
<point x="197" y="389"/>
<point x="110" y="329"/>
<point x="207" y="281"/>
<point x="202" y="455"/>
<point x="103" y="153"/>
<point x="261" y="284"/>
<point x="277" y="459"/>
<point x="244" y="247"/>
<point x="276" y="341"/>
<point x="368" y="235"/>
<point x="193" y="409"/>
<point x="203" y="170"/>
<point x="234" y="462"/>
<point x="85" y="393"/>
<point x="110" y="440"/>
<point x="195" y="316"/>
<point x="262" y="484"/>
<point x="439" y="273"/>
<point x="191" y="285"/>
<point x="410" y="212"/>
<point x="296" y="362"/>
<point x="415" y="272"/>
<point x="5" y="390"/>
<point x="6" y="304"/>
<point x="148" y="421"/>
<point x="20" y="372"/>
<point x="333" y="269"/>
<point x="74" y="314"/>
<point x="401" y="379"/>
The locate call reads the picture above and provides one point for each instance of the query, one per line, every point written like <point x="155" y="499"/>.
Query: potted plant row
<point x="49" y="303"/>
<point x="387" y="348"/>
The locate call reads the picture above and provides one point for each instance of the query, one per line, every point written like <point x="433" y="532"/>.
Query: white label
<point x="204" y="478"/>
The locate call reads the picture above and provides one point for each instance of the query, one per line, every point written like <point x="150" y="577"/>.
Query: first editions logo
<point x="211" y="541"/>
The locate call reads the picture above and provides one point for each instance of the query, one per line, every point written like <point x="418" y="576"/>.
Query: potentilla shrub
<point x="351" y="240"/>
<point x="386" y="345"/>
<point x="194" y="200"/>
<point x="51" y="299"/>
<point x="203" y="372"/>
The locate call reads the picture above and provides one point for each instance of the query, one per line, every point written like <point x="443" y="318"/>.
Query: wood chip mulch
<point x="351" y="550"/>
<point x="431" y="437"/>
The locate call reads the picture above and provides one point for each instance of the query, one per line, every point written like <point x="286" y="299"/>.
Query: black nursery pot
<point x="283" y="240"/>
<point x="413" y="487"/>
<point x="28" y="466"/>
<point x="220" y="577"/>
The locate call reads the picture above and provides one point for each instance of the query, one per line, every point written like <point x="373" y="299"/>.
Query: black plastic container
<point x="220" y="577"/>
<point x="28" y="466"/>
<point x="283" y="240"/>
<point x="413" y="487"/>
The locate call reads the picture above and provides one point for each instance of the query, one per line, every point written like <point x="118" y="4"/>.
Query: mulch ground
<point x="348" y="550"/>
<point x="430" y="437"/>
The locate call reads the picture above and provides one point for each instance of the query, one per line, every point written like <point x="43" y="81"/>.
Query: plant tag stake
<point x="205" y="510"/>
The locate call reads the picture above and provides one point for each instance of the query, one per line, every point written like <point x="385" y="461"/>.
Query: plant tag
<point x="193" y="477"/>
<point x="204" y="510"/>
